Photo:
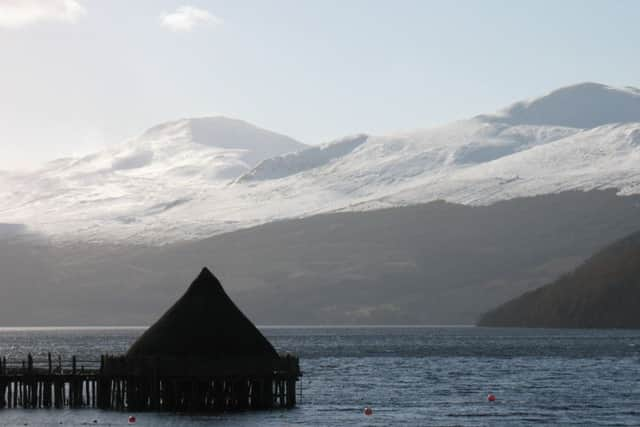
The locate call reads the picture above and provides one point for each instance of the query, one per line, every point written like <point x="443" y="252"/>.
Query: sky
<point x="79" y="75"/>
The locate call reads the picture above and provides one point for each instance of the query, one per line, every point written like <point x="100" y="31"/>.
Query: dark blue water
<point x="409" y="376"/>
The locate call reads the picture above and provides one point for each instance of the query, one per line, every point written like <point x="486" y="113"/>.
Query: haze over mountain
<point x="196" y="178"/>
<point x="437" y="263"/>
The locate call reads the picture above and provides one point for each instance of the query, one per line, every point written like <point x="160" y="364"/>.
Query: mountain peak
<point x="583" y="105"/>
<point x="222" y="132"/>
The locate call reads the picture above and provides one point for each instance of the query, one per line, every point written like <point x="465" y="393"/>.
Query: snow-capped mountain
<point x="585" y="105"/>
<point x="209" y="148"/>
<point x="168" y="165"/>
<point x="196" y="178"/>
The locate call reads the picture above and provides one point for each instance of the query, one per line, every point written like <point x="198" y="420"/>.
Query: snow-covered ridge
<point x="191" y="179"/>
<point x="296" y="162"/>
<point x="585" y="105"/>
<point x="210" y="148"/>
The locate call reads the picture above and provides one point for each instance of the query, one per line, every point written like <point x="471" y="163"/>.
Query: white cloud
<point x="20" y="13"/>
<point x="186" y="18"/>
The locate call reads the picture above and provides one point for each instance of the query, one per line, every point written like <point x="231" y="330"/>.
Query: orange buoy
<point x="368" y="411"/>
<point x="491" y="397"/>
<point x="132" y="419"/>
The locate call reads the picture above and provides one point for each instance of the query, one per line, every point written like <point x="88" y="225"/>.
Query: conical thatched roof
<point x="204" y="323"/>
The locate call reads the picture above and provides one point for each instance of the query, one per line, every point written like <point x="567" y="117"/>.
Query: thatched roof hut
<point x="202" y="354"/>
<point x="205" y="324"/>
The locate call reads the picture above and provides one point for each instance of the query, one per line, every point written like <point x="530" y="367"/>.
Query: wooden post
<point x="192" y="396"/>
<point x="243" y="394"/>
<point x="118" y="388"/>
<point x="276" y="392"/>
<point x="114" y="394"/>
<point x="87" y="394"/>
<point x="100" y="385"/>
<point x="16" y="392"/>
<point x="218" y="394"/>
<point x="155" y="386"/>
<point x="2" y="388"/>
<point x="291" y="388"/>
<point x="56" y="394"/>
<point x="45" y="392"/>
<point x="268" y="396"/>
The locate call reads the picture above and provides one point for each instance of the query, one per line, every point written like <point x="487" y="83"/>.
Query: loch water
<point x="413" y="376"/>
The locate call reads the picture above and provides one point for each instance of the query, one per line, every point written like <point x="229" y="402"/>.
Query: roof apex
<point x="203" y="323"/>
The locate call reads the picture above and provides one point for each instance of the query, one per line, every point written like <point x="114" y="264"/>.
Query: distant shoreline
<point x="94" y="328"/>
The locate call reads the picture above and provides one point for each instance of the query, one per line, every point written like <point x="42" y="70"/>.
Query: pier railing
<point x="48" y="365"/>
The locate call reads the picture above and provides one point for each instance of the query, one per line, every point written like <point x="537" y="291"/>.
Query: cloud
<point x="186" y="18"/>
<point x="21" y="13"/>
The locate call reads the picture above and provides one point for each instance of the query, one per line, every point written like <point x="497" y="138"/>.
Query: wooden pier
<point x="118" y="383"/>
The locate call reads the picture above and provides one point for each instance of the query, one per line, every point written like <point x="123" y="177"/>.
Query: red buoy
<point x="132" y="419"/>
<point x="491" y="397"/>
<point x="368" y="411"/>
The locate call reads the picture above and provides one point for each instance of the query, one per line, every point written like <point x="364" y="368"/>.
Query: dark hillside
<point x="604" y="292"/>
